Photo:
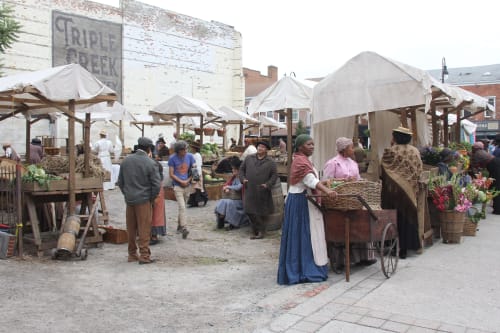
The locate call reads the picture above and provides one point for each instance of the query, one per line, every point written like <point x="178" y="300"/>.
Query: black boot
<point x="220" y="222"/>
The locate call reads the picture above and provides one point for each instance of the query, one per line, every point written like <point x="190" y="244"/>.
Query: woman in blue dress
<point x="303" y="254"/>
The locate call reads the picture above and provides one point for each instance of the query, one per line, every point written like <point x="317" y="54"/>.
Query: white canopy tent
<point x="390" y="92"/>
<point x="236" y="117"/>
<point x="286" y="94"/>
<point x="65" y="88"/>
<point x="178" y="106"/>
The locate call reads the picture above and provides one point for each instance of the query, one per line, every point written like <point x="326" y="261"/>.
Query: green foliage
<point x="461" y="146"/>
<point x="37" y="174"/>
<point x="9" y="28"/>
<point x="300" y="129"/>
<point x="187" y="136"/>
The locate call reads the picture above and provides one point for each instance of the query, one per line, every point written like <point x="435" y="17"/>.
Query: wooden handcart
<point x="355" y="217"/>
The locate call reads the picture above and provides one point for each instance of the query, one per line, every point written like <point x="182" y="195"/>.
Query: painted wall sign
<point x="96" y="45"/>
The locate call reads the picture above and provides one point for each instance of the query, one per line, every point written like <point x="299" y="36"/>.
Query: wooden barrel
<point x="66" y="243"/>
<point x="275" y="220"/>
<point x="452" y="226"/>
<point x="72" y="225"/>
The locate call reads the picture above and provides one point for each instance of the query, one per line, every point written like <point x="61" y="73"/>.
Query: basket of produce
<point x="347" y="192"/>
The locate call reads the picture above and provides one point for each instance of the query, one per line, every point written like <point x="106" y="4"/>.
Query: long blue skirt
<point x="296" y="264"/>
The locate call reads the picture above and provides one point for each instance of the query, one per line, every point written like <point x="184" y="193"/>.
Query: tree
<point x="300" y="129"/>
<point x="9" y="28"/>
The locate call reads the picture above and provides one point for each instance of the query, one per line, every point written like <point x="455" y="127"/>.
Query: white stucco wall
<point x="164" y="53"/>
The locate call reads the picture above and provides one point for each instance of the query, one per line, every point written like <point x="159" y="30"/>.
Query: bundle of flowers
<point x="483" y="184"/>
<point x="452" y="194"/>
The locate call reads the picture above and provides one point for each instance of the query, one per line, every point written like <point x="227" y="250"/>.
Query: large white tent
<point x="387" y="90"/>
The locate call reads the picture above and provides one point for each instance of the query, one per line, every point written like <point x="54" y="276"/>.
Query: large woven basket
<point x="469" y="228"/>
<point x="452" y="226"/>
<point x="369" y="191"/>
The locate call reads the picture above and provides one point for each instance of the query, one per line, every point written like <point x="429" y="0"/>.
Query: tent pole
<point x="71" y="157"/>
<point x="28" y="136"/>
<point x="224" y="139"/>
<point x="458" y="127"/>
<point x="240" y="142"/>
<point x="445" y="127"/>
<point x="178" y="125"/>
<point x="86" y="140"/>
<point x="201" y="135"/>
<point x="434" y="121"/>
<point x="289" y="143"/>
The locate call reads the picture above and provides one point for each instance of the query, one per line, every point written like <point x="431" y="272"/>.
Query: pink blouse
<point x="341" y="167"/>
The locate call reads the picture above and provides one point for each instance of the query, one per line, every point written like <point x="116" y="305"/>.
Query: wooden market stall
<point x="392" y="94"/>
<point x="63" y="89"/>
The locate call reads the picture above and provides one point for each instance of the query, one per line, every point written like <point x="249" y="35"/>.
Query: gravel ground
<point x="214" y="281"/>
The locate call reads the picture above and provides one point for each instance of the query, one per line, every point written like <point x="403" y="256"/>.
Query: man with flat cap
<point x="139" y="180"/>
<point x="258" y="173"/>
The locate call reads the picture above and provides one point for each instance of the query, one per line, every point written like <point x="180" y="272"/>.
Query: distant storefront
<point x="487" y="129"/>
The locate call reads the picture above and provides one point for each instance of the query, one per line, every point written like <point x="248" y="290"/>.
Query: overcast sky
<point x="314" y="38"/>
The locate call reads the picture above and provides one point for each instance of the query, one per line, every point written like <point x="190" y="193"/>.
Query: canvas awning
<point x="178" y="106"/>
<point x="64" y="88"/>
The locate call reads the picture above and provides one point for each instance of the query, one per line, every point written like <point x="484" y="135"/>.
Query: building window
<point x="270" y="114"/>
<point x="491" y="101"/>
<point x="295" y="116"/>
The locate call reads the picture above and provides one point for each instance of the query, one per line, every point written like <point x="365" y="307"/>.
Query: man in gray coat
<point x="258" y="174"/>
<point x="139" y="180"/>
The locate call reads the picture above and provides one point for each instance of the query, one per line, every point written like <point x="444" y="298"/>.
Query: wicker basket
<point x="232" y="194"/>
<point x="452" y="226"/>
<point x="209" y="131"/>
<point x="369" y="191"/>
<point x="470" y="228"/>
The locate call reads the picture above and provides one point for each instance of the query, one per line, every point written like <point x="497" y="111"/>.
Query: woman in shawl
<point x="231" y="210"/>
<point x="303" y="255"/>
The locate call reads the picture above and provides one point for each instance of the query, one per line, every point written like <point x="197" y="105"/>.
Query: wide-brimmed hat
<point x="403" y="130"/>
<point x="102" y="132"/>
<point x="265" y="143"/>
<point x="36" y="141"/>
<point x="195" y="145"/>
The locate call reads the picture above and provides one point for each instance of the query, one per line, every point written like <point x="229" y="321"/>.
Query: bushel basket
<point x="369" y="191"/>
<point x="452" y="226"/>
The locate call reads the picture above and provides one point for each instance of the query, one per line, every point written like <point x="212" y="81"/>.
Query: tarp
<point x="370" y="82"/>
<point x="270" y="122"/>
<point x="57" y="84"/>
<point x="104" y="112"/>
<point x="236" y="116"/>
<point x="184" y="106"/>
<point x="286" y="93"/>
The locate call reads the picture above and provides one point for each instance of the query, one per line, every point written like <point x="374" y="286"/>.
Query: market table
<point x="85" y="195"/>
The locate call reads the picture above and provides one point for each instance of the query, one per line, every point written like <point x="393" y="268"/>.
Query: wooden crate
<point x="62" y="184"/>
<point x="114" y="235"/>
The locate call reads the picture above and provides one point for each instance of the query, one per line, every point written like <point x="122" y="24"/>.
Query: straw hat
<point x="403" y="130"/>
<point x="103" y="133"/>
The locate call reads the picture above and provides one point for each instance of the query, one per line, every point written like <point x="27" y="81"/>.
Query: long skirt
<point x="233" y="212"/>
<point x="158" y="221"/>
<point x="296" y="262"/>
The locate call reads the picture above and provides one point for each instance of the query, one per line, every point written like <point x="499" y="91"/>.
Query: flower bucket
<point x="452" y="226"/>
<point x="470" y="228"/>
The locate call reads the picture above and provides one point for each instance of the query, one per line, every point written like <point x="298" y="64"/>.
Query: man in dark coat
<point x="139" y="180"/>
<point x="258" y="174"/>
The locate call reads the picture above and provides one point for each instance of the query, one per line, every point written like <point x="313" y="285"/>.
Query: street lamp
<point x="444" y="70"/>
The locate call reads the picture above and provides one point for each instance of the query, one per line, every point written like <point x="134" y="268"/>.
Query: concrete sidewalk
<point x="449" y="288"/>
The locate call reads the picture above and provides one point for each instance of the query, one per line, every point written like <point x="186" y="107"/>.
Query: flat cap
<point x="144" y="142"/>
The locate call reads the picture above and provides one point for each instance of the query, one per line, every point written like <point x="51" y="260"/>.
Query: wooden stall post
<point x="28" y="138"/>
<point x="435" y="129"/>
<point x="86" y="140"/>
<point x="445" y="127"/>
<point x="71" y="157"/>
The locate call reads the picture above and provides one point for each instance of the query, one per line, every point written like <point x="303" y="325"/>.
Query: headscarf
<point x="300" y="140"/>
<point x="478" y="145"/>
<point x="342" y="143"/>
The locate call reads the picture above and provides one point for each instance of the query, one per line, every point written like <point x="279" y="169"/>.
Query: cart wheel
<point x="389" y="250"/>
<point x="53" y="254"/>
<point x="83" y="254"/>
